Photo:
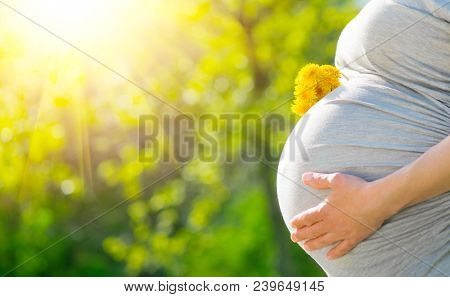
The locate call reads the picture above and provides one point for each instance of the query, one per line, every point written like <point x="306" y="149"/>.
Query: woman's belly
<point x="370" y="128"/>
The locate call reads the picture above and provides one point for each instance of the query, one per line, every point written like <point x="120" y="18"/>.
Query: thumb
<point x="322" y="180"/>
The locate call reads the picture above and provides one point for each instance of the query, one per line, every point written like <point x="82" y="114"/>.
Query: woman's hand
<point x="352" y="212"/>
<point x="355" y="208"/>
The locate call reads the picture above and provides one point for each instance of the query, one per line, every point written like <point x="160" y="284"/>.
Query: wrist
<point x="387" y="196"/>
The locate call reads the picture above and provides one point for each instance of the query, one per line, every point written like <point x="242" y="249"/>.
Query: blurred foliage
<point x="68" y="148"/>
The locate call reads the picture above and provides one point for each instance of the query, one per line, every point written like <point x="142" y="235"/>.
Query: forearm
<point x="424" y="178"/>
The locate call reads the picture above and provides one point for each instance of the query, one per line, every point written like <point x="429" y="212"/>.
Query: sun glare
<point x="68" y="15"/>
<point x="85" y="21"/>
<point x="59" y="34"/>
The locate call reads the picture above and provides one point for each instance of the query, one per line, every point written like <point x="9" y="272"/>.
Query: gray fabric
<point x="394" y="105"/>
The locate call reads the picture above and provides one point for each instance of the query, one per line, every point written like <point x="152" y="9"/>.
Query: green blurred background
<point x="69" y="127"/>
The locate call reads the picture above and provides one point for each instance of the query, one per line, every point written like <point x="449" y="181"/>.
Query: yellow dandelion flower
<point x="303" y="92"/>
<point x="309" y="73"/>
<point x="320" y="91"/>
<point x="300" y="107"/>
<point x="330" y="71"/>
<point x="313" y="82"/>
<point x="330" y="75"/>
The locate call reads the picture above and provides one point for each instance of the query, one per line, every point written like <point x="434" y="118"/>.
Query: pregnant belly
<point x="370" y="129"/>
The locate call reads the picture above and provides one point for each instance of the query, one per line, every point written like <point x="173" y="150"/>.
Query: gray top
<point x="394" y="105"/>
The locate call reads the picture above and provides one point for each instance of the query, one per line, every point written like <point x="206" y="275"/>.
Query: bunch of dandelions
<point x="313" y="82"/>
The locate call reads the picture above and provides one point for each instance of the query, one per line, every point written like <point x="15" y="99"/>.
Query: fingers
<point x="309" y="217"/>
<point x="310" y="232"/>
<point x="321" y="181"/>
<point x="321" y="242"/>
<point x="340" y="250"/>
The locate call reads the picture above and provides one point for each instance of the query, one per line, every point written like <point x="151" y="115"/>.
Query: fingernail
<point x="293" y="238"/>
<point x="308" y="177"/>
